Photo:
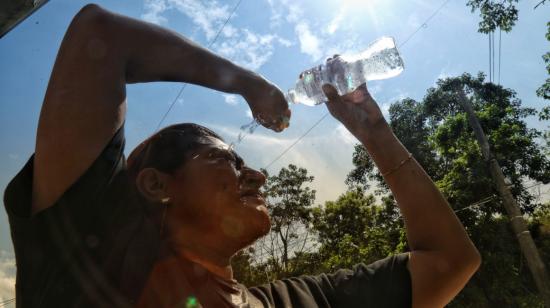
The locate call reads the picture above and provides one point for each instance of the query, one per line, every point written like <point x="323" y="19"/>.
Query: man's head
<point x="213" y="196"/>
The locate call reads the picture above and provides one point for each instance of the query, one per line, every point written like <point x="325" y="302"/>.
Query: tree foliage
<point x="544" y="90"/>
<point x="495" y="14"/>
<point x="503" y="15"/>
<point x="359" y="228"/>
<point x="437" y="132"/>
<point x="283" y="252"/>
<point x="354" y="229"/>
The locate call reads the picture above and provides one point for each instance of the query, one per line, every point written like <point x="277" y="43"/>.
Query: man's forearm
<point x="430" y="222"/>
<point x="148" y="52"/>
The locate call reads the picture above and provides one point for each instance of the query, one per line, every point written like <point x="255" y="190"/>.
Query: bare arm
<point x="85" y="102"/>
<point x="442" y="257"/>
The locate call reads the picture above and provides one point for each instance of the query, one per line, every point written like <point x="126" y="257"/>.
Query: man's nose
<point x="252" y="177"/>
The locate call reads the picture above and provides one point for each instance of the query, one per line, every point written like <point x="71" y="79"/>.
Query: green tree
<point x="544" y="115"/>
<point x="544" y="90"/>
<point x="437" y="132"/>
<point x="289" y="200"/>
<point x="503" y="15"/>
<point x="495" y="14"/>
<point x="355" y="229"/>
<point x="286" y="250"/>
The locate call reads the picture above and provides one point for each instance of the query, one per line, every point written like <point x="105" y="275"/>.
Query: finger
<point x="330" y="92"/>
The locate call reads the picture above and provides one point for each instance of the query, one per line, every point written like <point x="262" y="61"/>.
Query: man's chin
<point x="257" y="230"/>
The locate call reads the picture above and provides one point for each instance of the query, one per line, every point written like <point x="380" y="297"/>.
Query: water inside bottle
<point x="380" y="60"/>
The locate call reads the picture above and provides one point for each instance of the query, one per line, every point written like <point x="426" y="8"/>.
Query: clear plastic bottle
<point x="380" y="60"/>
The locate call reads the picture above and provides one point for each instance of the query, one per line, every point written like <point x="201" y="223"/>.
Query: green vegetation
<point x="363" y="224"/>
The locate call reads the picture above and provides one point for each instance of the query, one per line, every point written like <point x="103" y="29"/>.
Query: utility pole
<point x="526" y="243"/>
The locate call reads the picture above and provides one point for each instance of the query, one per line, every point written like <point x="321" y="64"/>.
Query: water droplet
<point x="246" y="129"/>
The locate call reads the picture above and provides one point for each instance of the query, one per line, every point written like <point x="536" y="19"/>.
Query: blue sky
<point x="277" y="38"/>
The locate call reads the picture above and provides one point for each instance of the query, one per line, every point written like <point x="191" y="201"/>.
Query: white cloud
<point x="7" y="276"/>
<point x="385" y="108"/>
<point x="13" y="156"/>
<point x="315" y="39"/>
<point x="240" y="45"/>
<point x="345" y="135"/>
<point x="310" y="44"/>
<point x="231" y="99"/>
<point x="284" y="42"/>
<point x="276" y="18"/>
<point x="249" y="49"/>
<point x="153" y="9"/>
<point x="249" y="114"/>
<point x="209" y="16"/>
<point x="295" y="12"/>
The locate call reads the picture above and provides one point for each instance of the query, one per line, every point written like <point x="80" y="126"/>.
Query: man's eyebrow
<point x="226" y="150"/>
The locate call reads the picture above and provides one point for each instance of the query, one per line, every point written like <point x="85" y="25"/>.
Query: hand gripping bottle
<point x="380" y="60"/>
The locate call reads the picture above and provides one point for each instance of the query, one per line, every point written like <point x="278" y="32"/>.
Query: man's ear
<point x="152" y="184"/>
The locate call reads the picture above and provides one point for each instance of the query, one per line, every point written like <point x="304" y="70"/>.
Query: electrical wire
<point x="296" y="141"/>
<point x="493" y="42"/>
<point x="425" y="23"/>
<point x="490" y="60"/>
<point x="209" y="45"/>
<point x="489" y="199"/>
<point x="499" y="51"/>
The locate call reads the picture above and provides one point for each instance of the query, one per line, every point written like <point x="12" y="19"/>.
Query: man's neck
<point x="219" y="266"/>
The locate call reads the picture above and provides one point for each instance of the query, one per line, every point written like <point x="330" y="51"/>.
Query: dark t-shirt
<point x="96" y="246"/>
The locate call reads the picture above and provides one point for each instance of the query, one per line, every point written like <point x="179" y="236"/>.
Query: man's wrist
<point x="375" y="134"/>
<point x="247" y="83"/>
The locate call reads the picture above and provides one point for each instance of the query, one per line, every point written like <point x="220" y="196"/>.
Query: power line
<point x="209" y="45"/>
<point x="297" y="140"/>
<point x="491" y="198"/>
<point x="423" y="25"/>
<point x="480" y="202"/>
<point x="490" y="59"/>
<point x="493" y="42"/>
<point x="499" y="51"/>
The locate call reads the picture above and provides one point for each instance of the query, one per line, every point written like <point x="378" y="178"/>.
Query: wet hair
<point x="168" y="149"/>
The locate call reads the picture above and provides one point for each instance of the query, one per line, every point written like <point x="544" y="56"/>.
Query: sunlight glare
<point x="360" y="3"/>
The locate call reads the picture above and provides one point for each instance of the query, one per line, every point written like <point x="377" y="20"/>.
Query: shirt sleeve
<point x="80" y="199"/>
<point x="67" y="234"/>
<point x="384" y="283"/>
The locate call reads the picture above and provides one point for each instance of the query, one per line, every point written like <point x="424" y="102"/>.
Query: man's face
<point x="216" y="196"/>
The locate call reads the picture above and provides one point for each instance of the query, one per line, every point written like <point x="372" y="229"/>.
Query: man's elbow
<point x="91" y="17"/>
<point x="474" y="261"/>
<point x="468" y="263"/>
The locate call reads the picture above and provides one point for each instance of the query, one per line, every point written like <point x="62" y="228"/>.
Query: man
<point x="89" y="230"/>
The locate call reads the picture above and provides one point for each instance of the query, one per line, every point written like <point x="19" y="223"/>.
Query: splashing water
<point x="246" y="129"/>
